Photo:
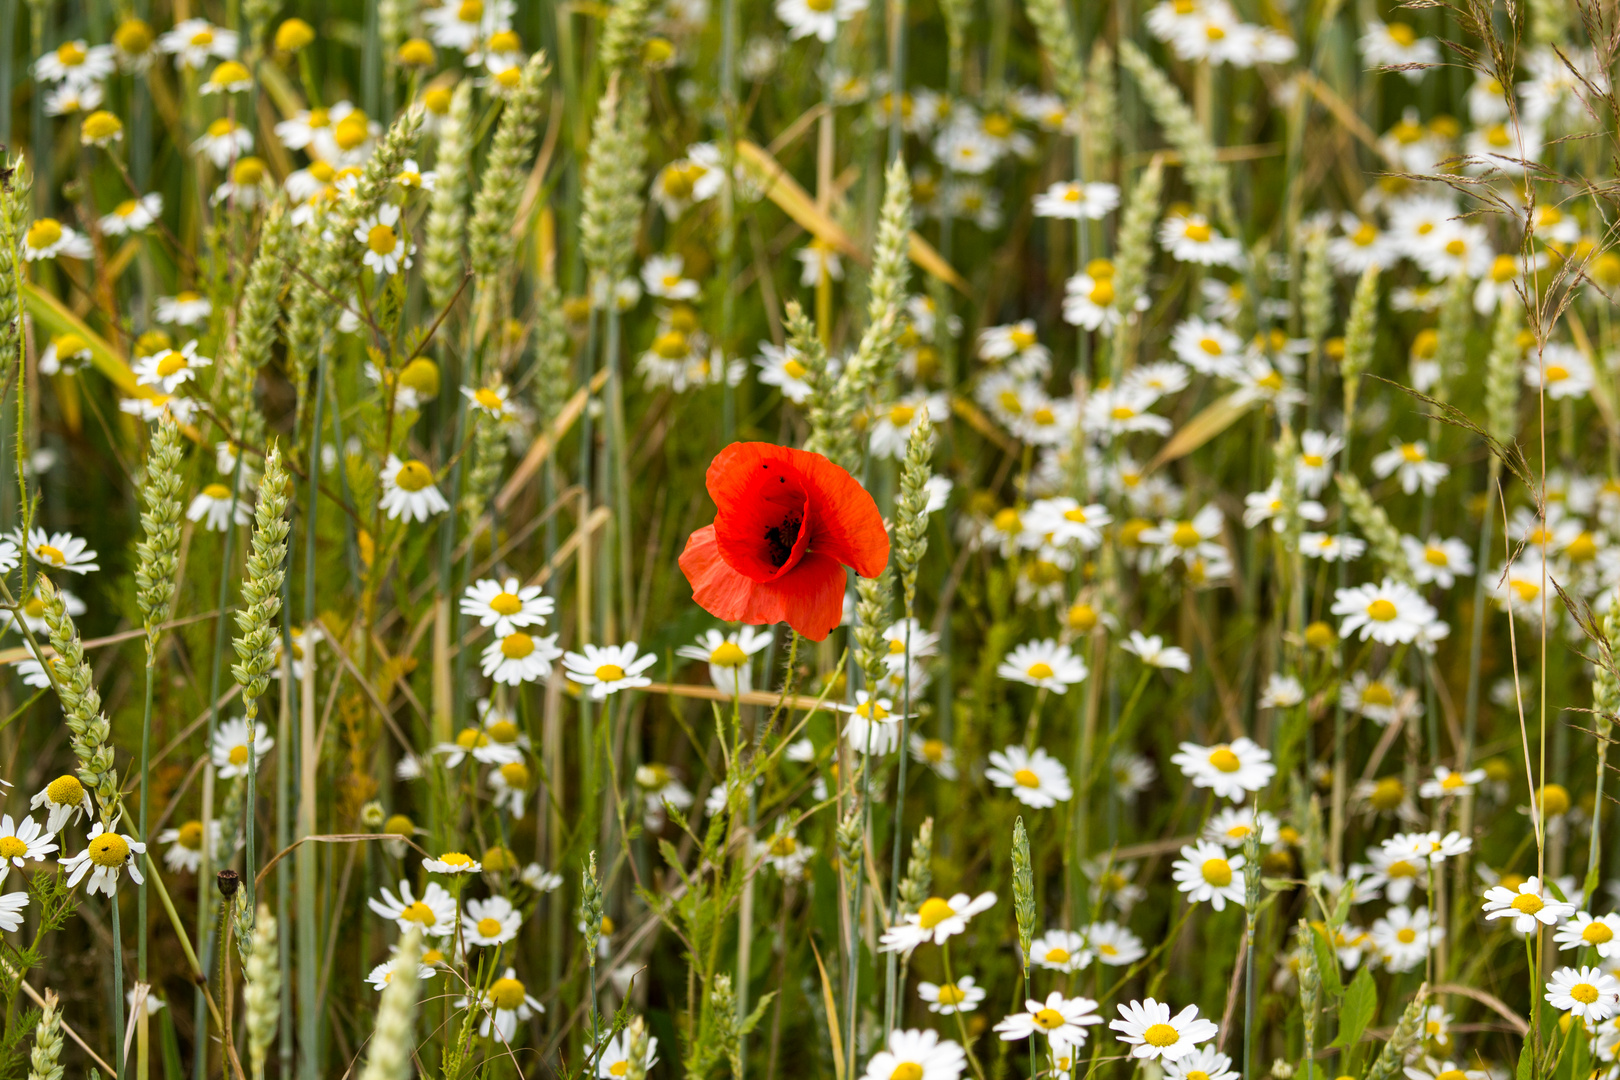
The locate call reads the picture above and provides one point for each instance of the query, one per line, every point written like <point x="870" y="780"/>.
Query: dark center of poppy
<point x="780" y="538"/>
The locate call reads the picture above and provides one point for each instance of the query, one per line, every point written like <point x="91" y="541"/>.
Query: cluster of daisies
<point x="1148" y="1030"/>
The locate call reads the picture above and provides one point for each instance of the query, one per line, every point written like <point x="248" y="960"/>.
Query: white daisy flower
<point x="435" y="912"/>
<point x="506" y="605"/>
<point x="519" y="657"/>
<point x="873" y="726"/>
<point x="1062" y="1020"/>
<point x="1088" y="298"/>
<point x="1152" y="1032"/>
<point x="1562" y="370"/>
<point x="614" y="1060"/>
<point x="1113" y="944"/>
<point x="47" y="238"/>
<point x="105" y="854"/>
<point x="1404" y="937"/>
<point x="214" y="503"/>
<point x="1191" y="540"/>
<point x="936" y="920"/>
<point x="1192" y="239"/>
<point x="1230" y="826"/>
<point x="1282" y="692"/>
<point x="21" y="841"/>
<point x="1060" y="950"/>
<point x="1588" y="992"/>
<point x="193" y="42"/>
<point x="481" y="746"/>
<point x="1409" y="461"/>
<point x="223" y="141"/>
<point x="1448" y="782"/>
<point x="77" y="63"/>
<point x="1437" y="561"/>
<point x="233" y="744"/>
<point x="65" y="354"/>
<point x="728" y="656"/>
<point x="1584" y="929"/>
<point x="1035" y="779"/>
<point x="385" y="249"/>
<point x="1314" y="468"/>
<point x="409" y="491"/>
<point x="1153" y="652"/>
<point x="920" y="1054"/>
<point x="815" y="256"/>
<point x="1397" y="45"/>
<point x="185" y="852"/>
<point x="607" y="669"/>
<point x="1063" y="520"/>
<point x="662" y="276"/>
<point x="383" y="974"/>
<point x="1232" y="770"/>
<point x="1527" y="905"/>
<point x="540" y="879"/>
<point x="817" y="18"/>
<point x="782" y="368"/>
<point x="490" y="922"/>
<point x="65" y="801"/>
<point x="461" y="26"/>
<point x="1204" y="1063"/>
<point x="947" y="999"/>
<point x="1390" y="613"/>
<point x="935" y="754"/>
<point x="1206" y="872"/>
<point x="183" y="309"/>
<point x="1072" y="201"/>
<point x="1045" y="664"/>
<point x="507" y="1002"/>
<point x="170" y="369"/>
<point x="59" y="551"/>
<point x="1331" y="547"/>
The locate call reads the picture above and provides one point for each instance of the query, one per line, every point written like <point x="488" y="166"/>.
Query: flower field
<point x="901" y="540"/>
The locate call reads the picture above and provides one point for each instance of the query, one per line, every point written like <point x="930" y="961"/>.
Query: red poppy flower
<point x="786" y="524"/>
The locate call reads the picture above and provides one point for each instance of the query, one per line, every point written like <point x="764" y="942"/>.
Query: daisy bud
<point x="416" y="53"/>
<point x="293" y="35"/>
<point x="100" y="128"/>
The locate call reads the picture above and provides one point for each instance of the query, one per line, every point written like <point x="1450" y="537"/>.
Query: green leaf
<point x="1327" y="961"/>
<point x="1360" y="1003"/>
<point x="1527" y="1060"/>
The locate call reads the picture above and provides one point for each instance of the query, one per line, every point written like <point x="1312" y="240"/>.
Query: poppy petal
<point x="761" y="522"/>
<point x="810" y="598"/>
<point x="848" y="526"/>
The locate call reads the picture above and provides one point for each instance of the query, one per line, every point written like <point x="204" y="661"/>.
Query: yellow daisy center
<point x="239" y="755"/>
<point x="1382" y="610"/>
<point x="489" y="927"/>
<point x="506" y="994"/>
<point x="907" y="1070"/>
<point x="191" y="836"/>
<point x="933" y="912"/>
<point x="12" y="848"/>
<point x="1161" y="1035"/>
<point x="505" y="603"/>
<point x="1057" y="956"/>
<point x="1217" y="872"/>
<point x="413" y="476"/>
<point x="1585" y="993"/>
<point x="1527" y="903"/>
<point x="951" y="994"/>
<point x="609" y="673"/>
<point x="43" y="233"/>
<point x="381" y="239"/>
<point x="109" y="850"/>
<point x="1027" y="778"/>
<point x="1048" y="1019"/>
<point x="1224" y="759"/>
<point x="517" y="645"/>
<point x="1597" y="933"/>
<point x="65" y="791"/>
